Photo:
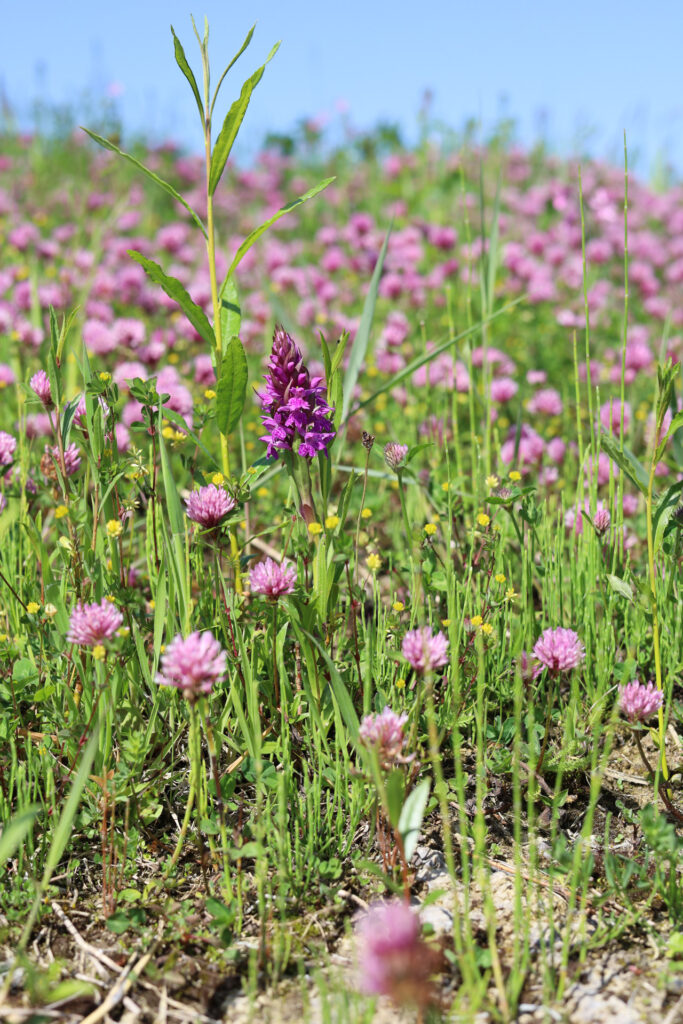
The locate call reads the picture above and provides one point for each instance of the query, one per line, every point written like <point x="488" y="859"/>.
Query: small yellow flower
<point x="61" y="511"/>
<point x="499" y="577"/>
<point x="487" y="628"/>
<point x="492" y="481"/>
<point x="152" y="604"/>
<point x="217" y="479"/>
<point x="374" y="562"/>
<point x="372" y="371"/>
<point x="445" y="623"/>
<point x="400" y="683"/>
<point x="366" y="513"/>
<point x="476" y="620"/>
<point x="445" y="486"/>
<point x="430" y="529"/>
<point x="262" y="492"/>
<point x="510" y="594"/>
<point x="483" y="519"/>
<point x="32" y="607"/>
<point x="105" y="377"/>
<point x="65" y="543"/>
<point x="515" y="475"/>
<point x="331" y="522"/>
<point x="314" y="529"/>
<point x="50" y="610"/>
<point x="110" y="598"/>
<point x="98" y="652"/>
<point x="123" y="631"/>
<point x="114" y="528"/>
<point x="398" y="606"/>
<point x="173" y="357"/>
<point x="209" y="393"/>
<point x="168" y="433"/>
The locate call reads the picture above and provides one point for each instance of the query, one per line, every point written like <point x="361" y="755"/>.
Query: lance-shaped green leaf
<point x="181" y="61"/>
<point x="234" y="60"/>
<point x="626" y="461"/>
<point x="231" y="312"/>
<point x="174" y="289"/>
<point x="232" y="124"/>
<point x="106" y="144"/>
<point x="362" y="339"/>
<point x="257" y="232"/>
<point x="412" y="815"/>
<point x="231" y="389"/>
<point x="15" y="831"/>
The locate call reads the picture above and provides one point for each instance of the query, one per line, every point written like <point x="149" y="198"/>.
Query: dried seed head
<point x="367" y="440"/>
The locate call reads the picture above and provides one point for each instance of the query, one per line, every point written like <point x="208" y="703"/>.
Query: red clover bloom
<point x="209" y="506"/>
<point x="272" y="580"/>
<point x="90" y="624"/>
<point x="8" y="445"/>
<point x="193" y="665"/>
<point x="295" y="410"/>
<point x="559" y="650"/>
<point x="638" y="702"/>
<point x="385" y="732"/>
<point x="424" y="651"/>
<point x="395" y="455"/>
<point x="393" y="959"/>
<point x="40" y="384"/>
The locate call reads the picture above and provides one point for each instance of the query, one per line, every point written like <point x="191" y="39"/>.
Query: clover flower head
<point x="393" y="959"/>
<point x="90" y="624"/>
<point x="395" y="455"/>
<point x="384" y="731"/>
<point x="273" y="580"/>
<point x="40" y="385"/>
<point x="559" y="650"/>
<point x="194" y="664"/>
<point x="8" y="446"/>
<point x="208" y="506"/>
<point x="424" y="651"/>
<point x="638" y="702"/>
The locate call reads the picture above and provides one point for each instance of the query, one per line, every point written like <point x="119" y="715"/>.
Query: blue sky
<point x="585" y="70"/>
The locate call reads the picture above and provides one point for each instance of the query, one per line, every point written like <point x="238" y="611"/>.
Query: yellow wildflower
<point x="209" y="393"/>
<point x="430" y="529"/>
<point x="61" y="511"/>
<point x="105" y="377"/>
<point x="98" y="652"/>
<point x="499" y="577"/>
<point x="398" y="606"/>
<point x="32" y="607"/>
<point x="331" y="522"/>
<point x="515" y="475"/>
<point x="217" y="479"/>
<point x="114" y="528"/>
<point x="400" y="683"/>
<point x="374" y="562"/>
<point x="492" y="480"/>
<point x="314" y="529"/>
<point x="483" y="519"/>
<point x="366" y="513"/>
<point x="476" y="620"/>
<point x="487" y="628"/>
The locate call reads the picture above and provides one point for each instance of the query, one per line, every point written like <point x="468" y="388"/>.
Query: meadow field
<point x="340" y="561"/>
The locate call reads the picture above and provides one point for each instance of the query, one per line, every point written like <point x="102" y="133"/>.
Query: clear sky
<point x="584" y="70"/>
